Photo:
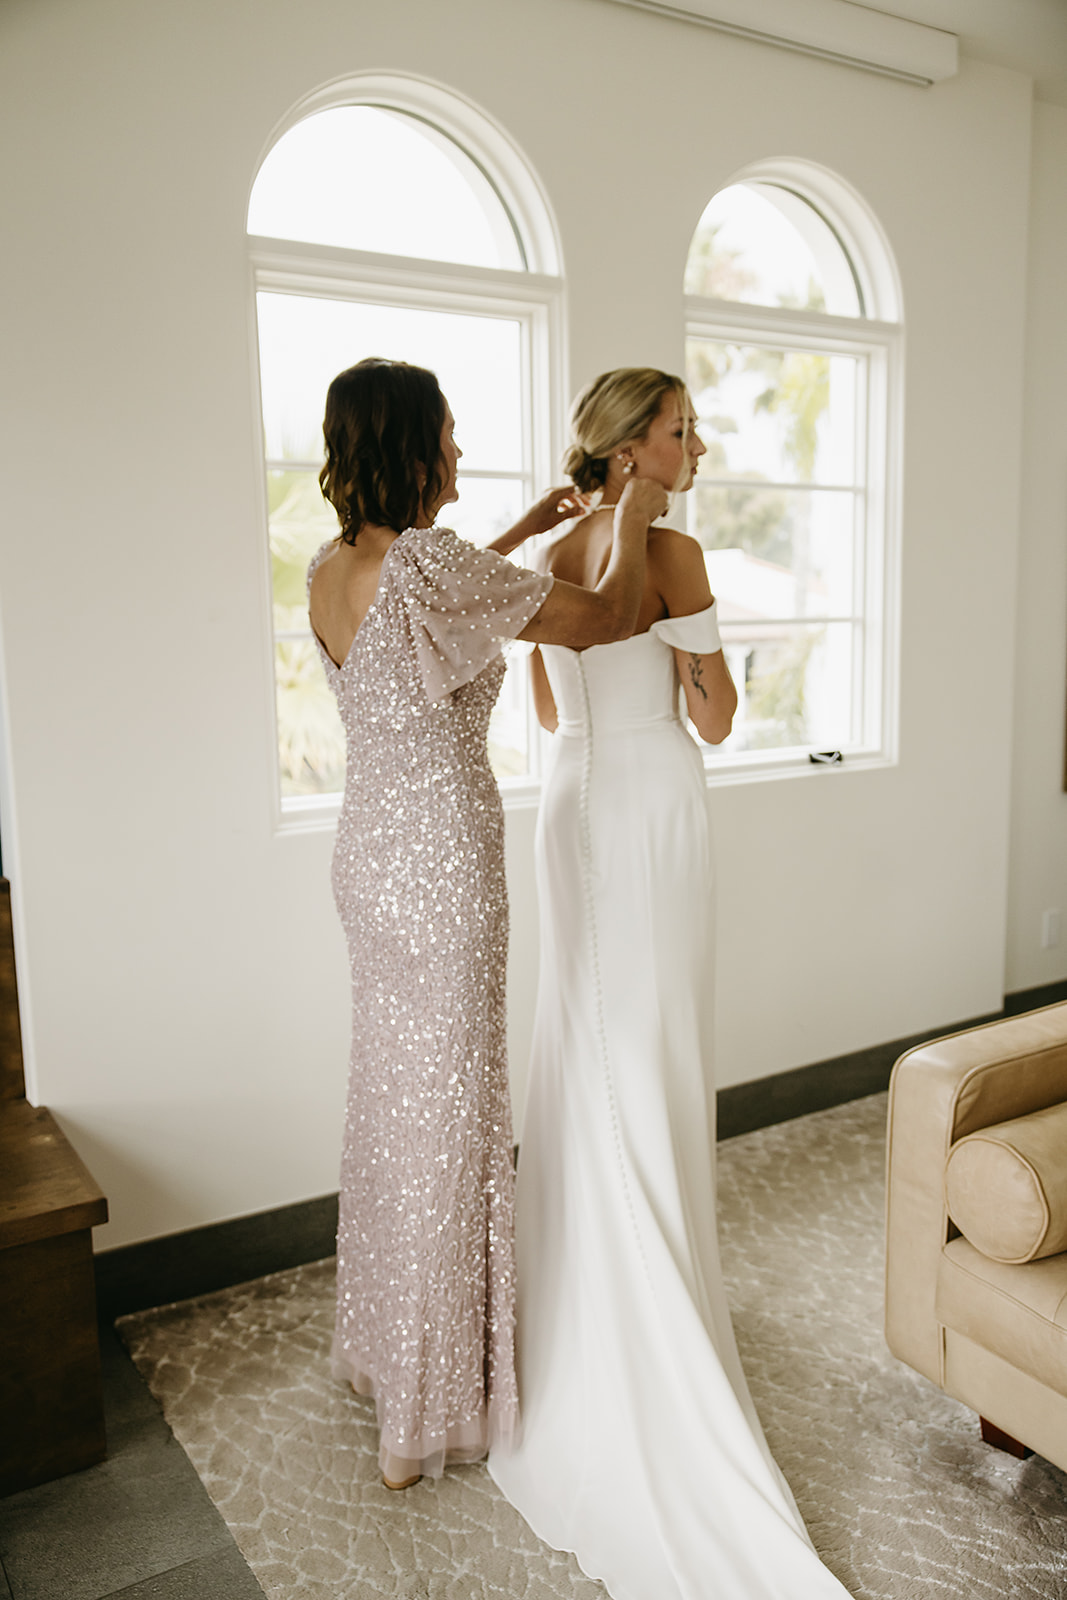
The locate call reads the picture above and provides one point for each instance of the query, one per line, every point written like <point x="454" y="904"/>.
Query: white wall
<point x="183" y="974"/>
<point x="1039" y="805"/>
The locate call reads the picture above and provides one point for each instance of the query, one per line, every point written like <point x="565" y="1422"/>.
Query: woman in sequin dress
<point x="410" y="621"/>
<point x="641" y="1450"/>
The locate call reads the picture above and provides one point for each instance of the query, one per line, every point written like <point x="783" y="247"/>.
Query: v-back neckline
<point x="340" y="666"/>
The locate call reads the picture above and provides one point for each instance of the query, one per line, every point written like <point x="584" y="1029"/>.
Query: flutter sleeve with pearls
<point x="462" y="604"/>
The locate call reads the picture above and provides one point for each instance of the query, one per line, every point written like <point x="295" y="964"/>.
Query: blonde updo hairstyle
<point x="616" y="408"/>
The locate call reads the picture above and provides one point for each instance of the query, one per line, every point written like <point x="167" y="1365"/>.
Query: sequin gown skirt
<point x="425" y="1268"/>
<point x="641" y="1450"/>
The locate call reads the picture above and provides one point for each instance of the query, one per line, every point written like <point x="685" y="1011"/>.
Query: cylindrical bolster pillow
<point x="1006" y="1187"/>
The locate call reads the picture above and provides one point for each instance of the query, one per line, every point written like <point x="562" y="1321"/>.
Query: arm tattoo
<point x="696" y="674"/>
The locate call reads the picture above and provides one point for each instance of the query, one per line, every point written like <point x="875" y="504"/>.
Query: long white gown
<point x="641" y="1450"/>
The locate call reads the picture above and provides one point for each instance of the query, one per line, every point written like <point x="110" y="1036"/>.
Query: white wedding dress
<point x="641" y="1450"/>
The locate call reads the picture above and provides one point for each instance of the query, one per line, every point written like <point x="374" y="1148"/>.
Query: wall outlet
<point x="1050" y="929"/>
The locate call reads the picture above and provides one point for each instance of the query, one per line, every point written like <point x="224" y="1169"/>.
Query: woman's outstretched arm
<point x="578" y="617"/>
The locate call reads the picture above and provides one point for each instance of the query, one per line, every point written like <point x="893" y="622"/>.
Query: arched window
<point x="391" y="219"/>
<point x="793" y="356"/>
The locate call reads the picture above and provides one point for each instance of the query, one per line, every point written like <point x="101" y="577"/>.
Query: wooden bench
<point x="51" y="1404"/>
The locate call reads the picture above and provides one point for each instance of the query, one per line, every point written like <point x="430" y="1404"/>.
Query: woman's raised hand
<point x="552" y="508"/>
<point x="556" y="506"/>
<point x="643" y="497"/>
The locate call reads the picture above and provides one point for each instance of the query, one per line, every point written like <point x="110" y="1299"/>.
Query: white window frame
<point x="534" y="298"/>
<point x="879" y="343"/>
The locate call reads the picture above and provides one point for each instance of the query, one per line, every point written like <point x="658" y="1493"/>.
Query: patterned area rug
<point x="902" y="1499"/>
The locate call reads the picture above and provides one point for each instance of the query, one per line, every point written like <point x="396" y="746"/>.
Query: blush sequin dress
<point x="425" y="1256"/>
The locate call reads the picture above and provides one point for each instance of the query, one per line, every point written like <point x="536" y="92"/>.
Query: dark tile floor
<point x="139" y="1526"/>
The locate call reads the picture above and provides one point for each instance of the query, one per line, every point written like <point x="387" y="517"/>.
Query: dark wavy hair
<point x="383" y="445"/>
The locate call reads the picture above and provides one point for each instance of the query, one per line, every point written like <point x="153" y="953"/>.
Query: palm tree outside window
<point x="374" y="231"/>
<point x="792" y="357"/>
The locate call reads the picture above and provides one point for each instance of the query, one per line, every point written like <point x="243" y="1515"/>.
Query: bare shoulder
<point x="671" y="539"/>
<point x="670" y="547"/>
<point x="567" y="547"/>
<point x="677" y="568"/>
<point x="326" y="566"/>
<point x="344" y="568"/>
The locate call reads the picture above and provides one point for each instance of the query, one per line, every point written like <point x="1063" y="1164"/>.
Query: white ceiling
<point x="1027" y="35"/>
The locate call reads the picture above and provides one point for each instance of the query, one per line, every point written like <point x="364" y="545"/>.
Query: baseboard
<point x="1048" y="994"/>
<point x="181" y="1265"/>
<point x="748" y="1106"/>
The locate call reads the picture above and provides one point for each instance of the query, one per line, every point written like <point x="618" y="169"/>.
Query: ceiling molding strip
<point x="834" y="30"/>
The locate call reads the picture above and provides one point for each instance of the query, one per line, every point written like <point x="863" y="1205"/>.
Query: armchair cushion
<point x="1006" y="1187"/>
<point x="1019" y="1313"/>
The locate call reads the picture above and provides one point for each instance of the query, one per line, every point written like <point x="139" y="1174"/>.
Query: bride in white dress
<point x="641" y="1450"/>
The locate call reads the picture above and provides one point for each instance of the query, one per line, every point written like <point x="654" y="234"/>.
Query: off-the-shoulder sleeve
<point x="698" y="633"/>
<point x="462" y="603"/>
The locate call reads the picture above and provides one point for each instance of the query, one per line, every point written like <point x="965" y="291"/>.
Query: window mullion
<point x="765" y="632"/>
<point x="718" y="318"/>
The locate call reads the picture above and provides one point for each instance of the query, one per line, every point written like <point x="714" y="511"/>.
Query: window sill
<point x="763" y="765"/>
<point x="319" y="813"/>
<point x="312" y="813"/>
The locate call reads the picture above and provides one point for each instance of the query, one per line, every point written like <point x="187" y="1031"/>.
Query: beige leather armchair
<point x="976" y="1300"/>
